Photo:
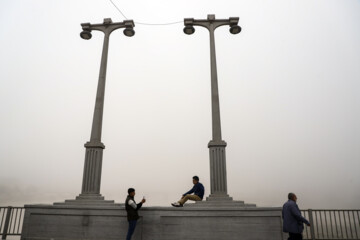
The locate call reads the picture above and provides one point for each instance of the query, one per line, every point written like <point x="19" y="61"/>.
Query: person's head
<point x="292" y="196"/>
<point x="131" y="192"/>
<point x="195" y="179"/>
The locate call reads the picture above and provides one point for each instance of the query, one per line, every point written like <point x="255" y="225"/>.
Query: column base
<point x="90" y="196"/>
<point x="219" y="197"/>
<point x="87" y="199"/>
<point x="222" y="200"/>
<point x="207" y="204"/>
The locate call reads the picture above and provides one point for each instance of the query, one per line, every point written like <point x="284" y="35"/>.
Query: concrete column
<point x="90" y="190"/>
<point x="99" y="103"/>
<point x="94" y="149"/>
<point x="215" y="103"/>
<point x="218" y="178"/>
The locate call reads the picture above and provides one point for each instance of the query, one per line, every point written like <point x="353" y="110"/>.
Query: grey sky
<point x="289" y="98"/>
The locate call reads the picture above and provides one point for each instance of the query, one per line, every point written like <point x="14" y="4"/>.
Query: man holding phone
<point x="132" y="211"/>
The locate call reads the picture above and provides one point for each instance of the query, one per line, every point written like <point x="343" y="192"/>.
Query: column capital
<point x="220" y="143"/>
<point x="94" y="145"/>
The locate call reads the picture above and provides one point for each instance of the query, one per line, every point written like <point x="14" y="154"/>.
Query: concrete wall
<point x="157" y="223"/>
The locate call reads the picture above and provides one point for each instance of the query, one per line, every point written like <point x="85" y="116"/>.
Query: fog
<point x="289" y="99"/>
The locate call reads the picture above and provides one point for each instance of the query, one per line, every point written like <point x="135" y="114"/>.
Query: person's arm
<point x="133" y="204"/>
<point x="297" y="214"/>
<point x="138" y="206"/>
<point x="191" y="190"/>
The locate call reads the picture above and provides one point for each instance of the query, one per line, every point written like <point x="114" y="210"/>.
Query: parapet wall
<point x="109" y="222"/>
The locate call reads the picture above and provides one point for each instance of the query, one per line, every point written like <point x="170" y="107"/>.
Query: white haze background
<point x="289" y="97"/>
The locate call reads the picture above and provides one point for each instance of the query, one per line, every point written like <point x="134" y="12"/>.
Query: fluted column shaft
<point x="90" y="189"/>
<point x="218" y="178"/>
<point x="94" y="148"/>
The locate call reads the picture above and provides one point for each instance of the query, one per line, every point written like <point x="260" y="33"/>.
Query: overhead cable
<point x="142" y="23"/>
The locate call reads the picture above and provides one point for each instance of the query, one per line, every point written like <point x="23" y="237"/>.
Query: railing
<point x="332" y="224"/>
<point x="11" y="221"/>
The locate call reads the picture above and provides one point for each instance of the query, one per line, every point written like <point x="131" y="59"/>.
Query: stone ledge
<point x="68" y="222"/>
<point x="121" y="206"/>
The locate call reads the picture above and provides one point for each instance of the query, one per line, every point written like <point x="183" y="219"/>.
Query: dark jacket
<point x="132" y="213"/>
<point x="198" y="190"/>
<point x="293" y="222"/>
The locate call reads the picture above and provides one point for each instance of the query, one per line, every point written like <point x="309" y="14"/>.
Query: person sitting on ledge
<point x="198" y="195"/>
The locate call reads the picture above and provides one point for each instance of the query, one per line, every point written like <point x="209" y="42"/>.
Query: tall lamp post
<point x="94" y="148"/>
<point x="218" y="179"/>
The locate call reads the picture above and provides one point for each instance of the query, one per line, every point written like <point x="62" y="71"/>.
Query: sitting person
<point x="198" y="195"/>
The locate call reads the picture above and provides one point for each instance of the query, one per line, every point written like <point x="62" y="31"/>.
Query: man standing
<point x="131" y="209"/>
<point x="198" y="191"/>
<point x="293" y="222"/>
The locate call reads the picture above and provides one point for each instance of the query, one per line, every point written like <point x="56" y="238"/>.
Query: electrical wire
<point x="142" y="23"/>
<point x="159" y="24"/>
<point x="118" y="9"/>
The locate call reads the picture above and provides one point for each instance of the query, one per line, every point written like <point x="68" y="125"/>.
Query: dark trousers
<point x="295" y="236"/>
<point x="132" y="225"/>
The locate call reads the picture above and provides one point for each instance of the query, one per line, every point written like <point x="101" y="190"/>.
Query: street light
<point x="189" y="29"/>
<point x="94" y="148"/>
<point x="85" y="35"/>
<point x="129" y="31"/>
<point x="233" y="22"/>
<point x="235" y="29"/>
<point x="218" y="179"/>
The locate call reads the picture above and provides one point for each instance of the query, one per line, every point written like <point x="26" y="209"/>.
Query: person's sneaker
<point x="176" y="204"/>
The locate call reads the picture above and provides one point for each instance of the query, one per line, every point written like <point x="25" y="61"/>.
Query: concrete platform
<point x="108" y="221"/>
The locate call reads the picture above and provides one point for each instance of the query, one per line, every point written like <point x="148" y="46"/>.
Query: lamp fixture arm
<point x="108" y="26"/>
<point x="206" y="23"/>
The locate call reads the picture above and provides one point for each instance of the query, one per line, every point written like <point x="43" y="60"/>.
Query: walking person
<point x="293" y="222"/>
<point x="132" y="211"/>
<point x="198" y="190"/>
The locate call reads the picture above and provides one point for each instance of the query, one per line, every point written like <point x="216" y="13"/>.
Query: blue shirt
<point x="293" y="222"/>
<point x="198" y="190"/>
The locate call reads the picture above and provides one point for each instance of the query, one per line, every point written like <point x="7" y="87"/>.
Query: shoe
<point x="176" y="204"/>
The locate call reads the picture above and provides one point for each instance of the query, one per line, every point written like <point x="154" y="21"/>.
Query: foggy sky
<point x="289" y="99"/>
